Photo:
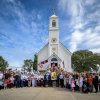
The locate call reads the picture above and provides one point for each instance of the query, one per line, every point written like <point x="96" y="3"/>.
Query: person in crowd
<point x="72" y="84"/>
<point x="17" y="80"/>
<point x="95" y="82"/>
<point x="39" y="79"/>
<point x="1" y="80"/>
<point x="90" y="83"/>
<point x="76" y="82"/>
<point x="29" y="80"/>
<point x="58" y="80"/>
<point x="80" y="82"/>
<point x="11" y="81"/>
<point x="61" y="77"/>
<point x="33" y="81"/>
<point x="8" y="82"/>
<point x="42" y="79"/>
<point x="5" y="83"/>
<point x="1" y="75"/>
<point x="53" y="78"/>
<point x="65" y="80"/>
<point x="7" y="74"/>
<point x="69" y="81"/>
<point x="99" y="82"/>
<point x="46" y="79"/>
<point x="1" y="84"/>
<point x="22" y="79"/>
<point x="35" y="78"/>
<point x="25" y="79"/>
<point x="85" y="86"/>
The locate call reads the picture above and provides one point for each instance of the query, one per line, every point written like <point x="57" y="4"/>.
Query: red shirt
<point x="8" y="81"/>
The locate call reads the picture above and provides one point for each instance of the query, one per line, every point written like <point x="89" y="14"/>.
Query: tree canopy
<point x="28" y="64"/>
<point x="35" y="63"/>
<point x="3" y="63"/>
<point x="85" y="60"/>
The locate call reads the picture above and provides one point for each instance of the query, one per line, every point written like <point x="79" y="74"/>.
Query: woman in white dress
<point x="80" y="82"/>
<point x="33" y="81"/>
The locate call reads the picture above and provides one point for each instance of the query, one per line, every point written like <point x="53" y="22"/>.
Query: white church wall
<point x="43" y="54"/>
<point x="66" y="57"/>
<point x="54" y="48"/>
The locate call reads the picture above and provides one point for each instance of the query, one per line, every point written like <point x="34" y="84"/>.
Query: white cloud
<point x="97" y="29"/>
<point x="96" y="50"/>
<point x="89" y="2"/>
<point x="76" y="39"/>
<point x="75" y="9"/>
<point x="83" y="36"/>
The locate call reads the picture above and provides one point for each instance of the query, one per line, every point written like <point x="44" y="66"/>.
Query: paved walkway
<point x="45" y="94"/>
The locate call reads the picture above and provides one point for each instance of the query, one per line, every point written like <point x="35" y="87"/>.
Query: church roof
<point x="42" y="48"/>
<point x="60" y="44"/>
<point x="65" y="48"/>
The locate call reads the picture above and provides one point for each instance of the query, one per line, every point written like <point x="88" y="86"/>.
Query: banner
<point x="63" y="64"/>
<point x="44" y="65"/>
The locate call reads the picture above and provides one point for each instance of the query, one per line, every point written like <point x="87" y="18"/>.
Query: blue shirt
<point x="1" y="83"/>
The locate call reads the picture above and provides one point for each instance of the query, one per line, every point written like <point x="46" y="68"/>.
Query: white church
<point x="54" y="51"/>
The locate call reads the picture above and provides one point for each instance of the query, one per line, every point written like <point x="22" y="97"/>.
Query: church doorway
<point x="54" y="64"/>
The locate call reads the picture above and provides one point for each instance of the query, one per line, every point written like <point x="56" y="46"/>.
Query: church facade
<point x="54" y="53"/>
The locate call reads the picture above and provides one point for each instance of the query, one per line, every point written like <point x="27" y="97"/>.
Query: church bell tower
<point x="53" y="35"/>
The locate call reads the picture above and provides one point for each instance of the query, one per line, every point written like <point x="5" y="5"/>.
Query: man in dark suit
<point x="95" y="83"/>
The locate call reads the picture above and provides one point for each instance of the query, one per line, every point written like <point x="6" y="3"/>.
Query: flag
<point x="45" y="61"/>
<point x="43" y="65"/>
<point x="63" y="64"/>
<point x="40" y="65"/>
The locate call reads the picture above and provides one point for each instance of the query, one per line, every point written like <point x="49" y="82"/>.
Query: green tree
<point x="85" y="60"/>
<point x="3" y="63"/>
<point x="35" y="62"/>
<point x="28" y="64"/>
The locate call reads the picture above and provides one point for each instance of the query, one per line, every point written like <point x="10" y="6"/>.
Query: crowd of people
<point x="82" y="82"/>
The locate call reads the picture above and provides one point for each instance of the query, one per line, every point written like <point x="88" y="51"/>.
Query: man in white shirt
<point x="61" y="77"/>
<point x="35" y="78"/>
<point x="1" y="75"/>
<point x="22" y="79"/>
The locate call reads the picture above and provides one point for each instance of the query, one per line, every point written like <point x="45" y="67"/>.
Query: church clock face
<point x="54" y="40"/>
<point x="53" y="49"/>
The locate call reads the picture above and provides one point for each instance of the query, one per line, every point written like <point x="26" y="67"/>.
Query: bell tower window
<point x="53" y="23"/>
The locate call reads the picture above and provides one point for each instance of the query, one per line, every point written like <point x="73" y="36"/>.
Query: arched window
<point x="53" y="59"/>
<point x="53" y="23"/>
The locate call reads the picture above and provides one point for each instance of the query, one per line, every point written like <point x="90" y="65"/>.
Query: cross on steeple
<point x="53" y="10"/>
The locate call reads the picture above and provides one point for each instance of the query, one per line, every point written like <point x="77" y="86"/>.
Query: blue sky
<point x="24" y="26"/>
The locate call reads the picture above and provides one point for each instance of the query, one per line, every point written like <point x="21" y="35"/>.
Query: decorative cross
<point x="53" y="10"/>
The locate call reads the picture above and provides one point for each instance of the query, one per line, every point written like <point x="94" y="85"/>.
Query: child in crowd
<point x="11" y="81"/>
<point x="5" y="84"/>
<point x="85" y="86"/>
<point x="1" y="84"/>
<point x="8" y="83"/>
<point x="29" y="81"/>
<point x="72" y="85"/>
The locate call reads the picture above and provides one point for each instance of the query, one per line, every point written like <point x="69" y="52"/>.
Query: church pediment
<point x="54" y="56"/>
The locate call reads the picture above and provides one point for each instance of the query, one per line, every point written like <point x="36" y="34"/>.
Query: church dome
<point x="53" y="16"/>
